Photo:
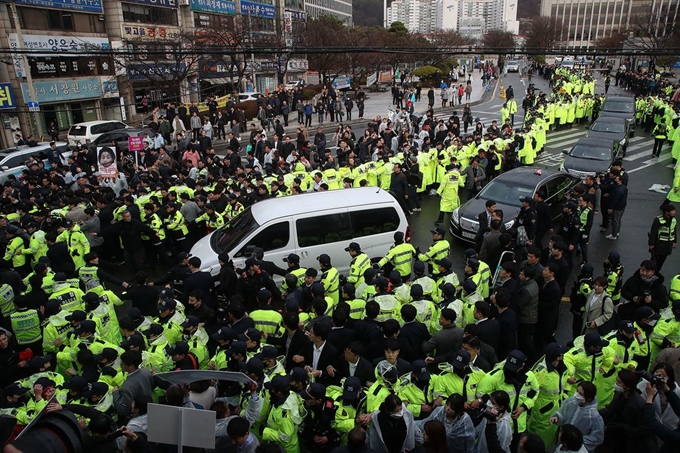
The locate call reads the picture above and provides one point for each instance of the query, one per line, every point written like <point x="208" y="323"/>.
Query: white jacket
<point x="586" y="418"/>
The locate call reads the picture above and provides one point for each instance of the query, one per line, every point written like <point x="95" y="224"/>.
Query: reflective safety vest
<point x="69" y="298"/>
<point x="233" y="209"/>
<point x="300" y="274"/>
<point x="88" y="274"/>
<point x="6" y="300"/>
<point x="15" y="252"/>
<point x="426" y="312"/>
<point x="485" y="277"/>
<point x="389" y="307"/>
<point x="428" y="284"/>
<point x="449" y="383"/>
<point x="660" y="131"/>
<point x="282" y="423"/>
<point x="26" y="326"/>
<point x="357" y="267"/>
<point x="155" y="223"/>
<point x="401" y="256"/>
<point x="177" y="226"/>
<point x="56" y="327"/>
<point x="674" y="293"/>
<point x="583" y="217"/>
<point x="451" y="277"/>
<point x="437" y="251"/>
<point x="267" y="320"/>
<point x="78" y="245"/>
<point x="213" y="221"/>
<point x="37" y="247"/>
<point x="666" y="232"/>
<point x="331" y="283"/>
<point x="357" y="308"/>
<point x="614" y="283"/>
<point x="109" y="329"/>
<point x="552" y="383"/>
<point x="197" y="346"/>
<point x="666" y="333"/>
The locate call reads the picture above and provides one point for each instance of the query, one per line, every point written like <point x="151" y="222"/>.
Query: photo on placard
<point x="106" y="158"/>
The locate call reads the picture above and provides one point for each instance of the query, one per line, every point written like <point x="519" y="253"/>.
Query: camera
<point x="646" y="293"/>
<point x="489" y="415"/>
<point x="653" y="378"/>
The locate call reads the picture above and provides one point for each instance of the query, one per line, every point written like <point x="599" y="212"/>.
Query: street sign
<point x="33" y="106"/>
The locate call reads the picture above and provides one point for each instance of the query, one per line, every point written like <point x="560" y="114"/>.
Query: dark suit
<point x="203" y="281"/>
<point x="411" y="337"/>
<point x="240" y="326"/>
<point x="511" y="285"/>
<point x="367" y="331"/>
<point x="489" y="332"/>
<point x="297" y="342"/>
<point x="329" y="357"/>
<point x="364" y="371"/>
<point x="340" y="337"/>
<point x="508" y="332"/>
<point x="491" y="249"/>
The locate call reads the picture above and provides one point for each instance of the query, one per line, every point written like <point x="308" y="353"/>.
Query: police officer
<point x="155" y="244"/>
<point x="70" y="297"/>
<point x="458" y="376"/>
<point x="579" y="295"/>
<point x="613" y="272"/>
<point x="177" y="227"/>
<point x="318" y="432"/>
<point x="27" y="326"/>
<point x="351" y="403"/>
<point x="585" y="215"/>
<point x="399" y="257"/>
<point x="425" y="281"/>
<point x="360" y="262"/>
<point x="176" y="275"/>
<point x="330" y="278"/>
<point x="76" y="241"/>
<point x="660" y="134"/>
<point x="266" y="318"/>
<point x="592" y="360"/>
<point x="662" y="236"/>
<point x="197" y="339"/>
<point x="91" y="275"/>
<point x="666" y="333"/>
<point x="293" y="262"/>
<point x="284" y="416"/>
<point x="484" y="272"/>
<point x="213" y="219"/>
<point x="14" y="253"/>
<point x="570" y="229"/>
<point x="388" y="302"/>
<point x="439" y="249"/>
<point x="37" y="246"/>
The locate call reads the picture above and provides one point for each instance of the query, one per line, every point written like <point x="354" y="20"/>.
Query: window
<point x="49" y="19"/>
<point x="367" y="223"/>
<point x="149" y="14"/>
<point x="271" y="238"/>
<point x="556" y="186"/>
<point x="324" y="229"/>
<point x="16" y="161"/>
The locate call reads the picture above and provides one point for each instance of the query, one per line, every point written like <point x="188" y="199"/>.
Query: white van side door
<point x="323" y="232"/>
<point x="274" y="238"/>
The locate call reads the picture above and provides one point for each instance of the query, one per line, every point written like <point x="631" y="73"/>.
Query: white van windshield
<point x="233" y="232"/>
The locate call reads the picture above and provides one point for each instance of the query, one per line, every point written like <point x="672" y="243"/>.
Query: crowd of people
<point x="402" y="355"/>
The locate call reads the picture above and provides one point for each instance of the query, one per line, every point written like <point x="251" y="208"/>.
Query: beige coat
<point x="595" y="311"/>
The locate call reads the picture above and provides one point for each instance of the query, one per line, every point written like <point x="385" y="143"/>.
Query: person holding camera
<point x="670" y="437"/>
<point x="494" y="433"/>
<point x="662" y="373"/>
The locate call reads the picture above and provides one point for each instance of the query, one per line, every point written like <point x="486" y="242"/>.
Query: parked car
<point x="149" y="119"/>
<point x="512" y="66"/>
<point x="14" y="162"/>
<point x="611" y="128"/>
<point x="590" y="156"/>
<point x="506" y="190"/>
<point x="620" y="107"/>
<point x="249" y="96"/>
<point x="90" y="130"/>
<point x="308" y="225"/>
<point x="121" y="137"/>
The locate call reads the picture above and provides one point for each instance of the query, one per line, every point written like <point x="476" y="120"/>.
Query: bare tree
<point x="653" y="32"/>
<point x="500" y="41"/>
<point x="447" y="43"/>
<point x="543" y="33"/>
<point x="612" y="42"/>
<point x="327" y="32"/>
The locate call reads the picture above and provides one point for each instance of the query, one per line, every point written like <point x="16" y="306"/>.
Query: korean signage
<point x="6" y="96"/>
<point x="110" y="89"/>
<point x="64" y="90"/>
<point x="135" y="143"/>
<point x="385" y="76"/>
<point x="298" y="65"/>
<point x="342" y="82"/>
<point x="43" y="46"/>
<point x="133" y="32"/>
<point x="210" y="69"/>
<point x="160" y="71"/>
<point x="214" y="6"/>
<point x="258" y="9"/>
<point x="88" y="6"/>
<point x="370" y="80"/>
<point x="164" y="3"/>
<point x="51" y="67"/>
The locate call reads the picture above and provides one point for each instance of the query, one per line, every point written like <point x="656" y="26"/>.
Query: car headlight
<point x="623" y="141"/>
<point x="455" y="216"/>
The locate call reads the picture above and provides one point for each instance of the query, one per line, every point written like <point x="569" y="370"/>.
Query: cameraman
<point x="670" y="437"/>
<point x="644" y="288"/>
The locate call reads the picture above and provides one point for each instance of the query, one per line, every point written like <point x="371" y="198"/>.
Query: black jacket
<point x="411" y="337"/>
<point x="203" y="281"/>
<point x="340" y="337"/>
<point x="636" y="287"/>
<point x="365" y="371"/>
<point x="507" y="340"/>
<point x="145" y="298"/>
<point x="625" y="429"/>
<point x="130" y="233"/>
<point x="549" y="297"/>
<point x="329" y="357"/>
<point x="489" y="332"/>
<point x="670" y="437"/>
<point x="296" y="343"/>
<point x="59" y="256"/>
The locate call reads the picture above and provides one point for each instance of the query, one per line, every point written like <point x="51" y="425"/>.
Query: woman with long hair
<point x="392" y="428"/>
<point x="460" y="431"/>
<point x="434" y="437"/>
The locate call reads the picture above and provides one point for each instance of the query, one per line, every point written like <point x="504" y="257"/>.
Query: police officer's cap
<point x="438" y="230"/>
<point x="278" y="384"/>
<point x="416" y="291"/>
<point x="570" y="205"/>
<point x="348" y="288"/>
<point x="60" y="277"/>
<point x="353" y="246"/>
<point x="445" y="263"/>
<point x="419" y="368"/>
<point x="153" y="330"/>
<point x="264" y="295"/>
<point x="77" y="384"/>
<point x="448" y="289"/>
<point x="224" y="334"/>
<point x="180" y="348"/>
<point x="461" y="359"/>
<point x="108" y="354"/>
<point x="350" y="388"/>
<point x="381" y="282"/>
<point x="298" y="374"/>
<point x="167" y="304"/>
<point x="191" y="321"/>
<point x="314" y="391"/>
<point x="419" y="267"/>
<point x="594" y="339"/>
<point x="292" y="258"/>
<point x="87" y="326"/>
<point x="473" y="263"/>
<point x="469" y="286"/>
<point x="134" y="340"/>
<point x="614" y="257"/>
<point x="77" y="315"/>
<point x="317" y="289"/>
<point x="515" y="360"/>
<point x="91" y="298"/>
<point x="668" y="208"/>
<point x="251" y="334"/>
<point x="399" y="236"/>
<point x="97" y="388"/>
<point x="268" y="352"/>
<point x="135" y="314"/>
<point x="470" y="253"/>
<point x="552" y="351"/>
<point x="395" y="278"/>
<point x="324" y="259"/>
<point x="587" y="269"/>
<point x="253" y="366"/>
<point x="252" y="262"/>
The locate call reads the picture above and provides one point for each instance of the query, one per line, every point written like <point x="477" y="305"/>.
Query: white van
<point x="91" y="130"/>
<point x="13" y="160"/>
<point x="308" y="225"/>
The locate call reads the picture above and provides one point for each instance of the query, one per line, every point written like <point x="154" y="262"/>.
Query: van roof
<point x="318" y="201"/>
<point x="94" y="123"/>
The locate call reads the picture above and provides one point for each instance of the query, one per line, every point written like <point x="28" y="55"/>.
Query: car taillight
<point x="407" y="236"/>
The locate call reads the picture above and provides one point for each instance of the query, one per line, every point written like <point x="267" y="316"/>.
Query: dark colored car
<point x="620" y="107"/>
<point x="590" y="156"/>
<point x="506" y="191"/>
<point x="121" y="137"/>
<point x="611" y="128"/>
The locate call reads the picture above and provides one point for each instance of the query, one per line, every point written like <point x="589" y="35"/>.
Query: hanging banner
<point x="385" y="76"/>
<point x="370" y="80"/>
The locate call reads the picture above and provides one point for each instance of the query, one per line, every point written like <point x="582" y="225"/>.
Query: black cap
<point x="314" y="391"/>
<point x="470" y="253"/>
<point x="668" y="208"/>
<point x="448" y="289"/>
<point x="416" y="291"/>
<point x="438" y="230"/>
<point x="278" y="384"/>
<point x="298" y="374"/>
<point x="381" y="282"/>
<point x="135" y="314"/>
<point x="469" y="286"/>
<point x="109" y="354"/>
<point x="350" y="388"/>
<point x="515" y="360"/>
<point x="552" y="351"/>
<point x="264" y="295"/>
<point x="324" y="259"/>
<point x="14" y="389"/>
<point x="166" y="293"/>
<point x="135" y="339"/>
<point x="254" y="366"/>
<point x="182" y="256"/>
<point x="87" y="326"/>
<point x="77" y="315"/>
<point x="237" y="347"/>
<point x="268" y="352"/>
<point x="419" y="368"/>
<point x="461" y="359"/>
<point x="526" y="200"/>
<point x="250" y="334"/>
<point x="594" y="339"/>
<point x="354" y="246"/>
<point x="77" y="383"/>
<point x="626" y="326"/>
<point x="224" y="334"/>
<point x="153" y="330"/>
<point x="167" y="304"/>
<point x="181" y="347"/>
<point x="473" y="263"/>
<point x="252" y="262"/>
<point x="191" y="321"/>
<point x="445" y="263"/>
<point x="292" y="258"/>
<point x="570" y="205"/>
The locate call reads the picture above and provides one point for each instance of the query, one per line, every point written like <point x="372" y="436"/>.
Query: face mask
<point x="651" y="322"/>
<point x="580" y="399"/>
<point x="648" y="279"/>
<point x="397" y="415"/>
<point x="618" y="388"/>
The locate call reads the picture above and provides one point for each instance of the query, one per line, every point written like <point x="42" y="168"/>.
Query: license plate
<point x="467" y="234"/>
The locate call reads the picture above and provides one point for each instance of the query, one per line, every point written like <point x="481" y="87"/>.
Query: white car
<point x="13" y="160"/>
<point x="249" y="96"/>
<point x="91" y="130"/>
<point x="512" y="65"/>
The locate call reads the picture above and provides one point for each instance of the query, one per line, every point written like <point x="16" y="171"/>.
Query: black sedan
<point x="590" y="156"/>
<point x="506" y="191"/>
<point x="610" y="128"/>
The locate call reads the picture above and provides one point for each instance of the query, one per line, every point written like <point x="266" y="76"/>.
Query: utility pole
<point x="27" y="68"/>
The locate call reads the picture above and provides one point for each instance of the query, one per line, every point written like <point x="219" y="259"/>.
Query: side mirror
<point x="565" y="151"/>
<point x="5" y="168"/>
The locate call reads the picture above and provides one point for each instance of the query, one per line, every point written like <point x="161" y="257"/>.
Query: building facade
<point x="342" y="9"/>
<point x="470" y="17"/>
<point x="104" y="59"/>
<point x="585" y="21"/>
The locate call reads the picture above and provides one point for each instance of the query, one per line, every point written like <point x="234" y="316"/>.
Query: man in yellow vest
<point x="399" y="257"/>
<point x="360" y="262"/>
<point x="14" y="253"/>
<point x="662" y="237"/>
<point x="76" y="241"/>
